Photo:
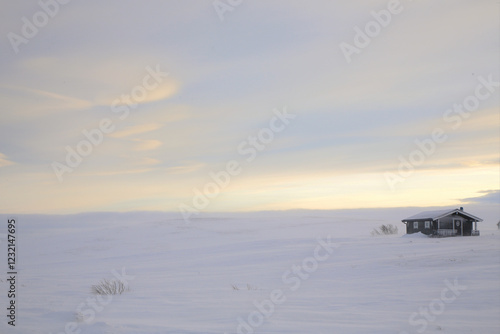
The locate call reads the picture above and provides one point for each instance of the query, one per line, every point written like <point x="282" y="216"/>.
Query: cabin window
<point x="427" y="224"/>
<point x="415" y="225"/>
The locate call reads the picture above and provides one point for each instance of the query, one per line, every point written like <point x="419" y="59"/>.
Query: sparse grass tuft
<point x="109" y="287"/>
<point x="249" y="287"/>
<point x="79" y="317"/>
<point x="385" y="230"/>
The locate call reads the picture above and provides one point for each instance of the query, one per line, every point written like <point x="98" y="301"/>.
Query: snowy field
<point x="292" y="272"/>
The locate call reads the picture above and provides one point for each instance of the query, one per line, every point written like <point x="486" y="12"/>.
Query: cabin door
<point x="458" y="226"/>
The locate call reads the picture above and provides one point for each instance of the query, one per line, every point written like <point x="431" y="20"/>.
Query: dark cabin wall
<point x="409" y="228"/>
<point x="446" y="222"/>
<point x="421" y="227"/>
<point x="468" y="225"/>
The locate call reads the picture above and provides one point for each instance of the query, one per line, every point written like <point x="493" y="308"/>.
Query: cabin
<point x="444" y="223"/>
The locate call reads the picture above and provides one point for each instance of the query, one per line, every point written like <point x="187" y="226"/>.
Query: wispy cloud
<point x="135" y="130"/>
<point x="146" y="145"/>
<point x="4" y="161"/>
<point x="75" y="102"/>
<point x="187" y="167"/>
<point x="26" y="103"/>
<point x="119" y="172"/>
<point x="488" y="197"/>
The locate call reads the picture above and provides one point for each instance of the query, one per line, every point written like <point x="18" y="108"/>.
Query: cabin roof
<point x="437" y="214"/>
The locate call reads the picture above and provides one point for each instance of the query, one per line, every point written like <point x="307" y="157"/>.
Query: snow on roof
<point x="432" y="215"/>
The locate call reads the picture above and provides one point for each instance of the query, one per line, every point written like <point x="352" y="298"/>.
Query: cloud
<point x="164" y="91"/>
<point x="135" y="130"/>
<point x="76" y="102"/>
<point x="489" y="197"/>
<point x="4" y="161"/>
<point x="120" y="172"/>
<point x="99" y="80"/>
<point x="146" y="145"/>
<point x="186" y="168"/>
<point x="24" y="102"/>
<point x="127" y="165"/>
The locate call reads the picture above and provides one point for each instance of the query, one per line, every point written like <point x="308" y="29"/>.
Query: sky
<point x="238" y="105"/>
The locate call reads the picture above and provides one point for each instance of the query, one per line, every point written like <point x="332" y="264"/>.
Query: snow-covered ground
<point x="290" y="272"/>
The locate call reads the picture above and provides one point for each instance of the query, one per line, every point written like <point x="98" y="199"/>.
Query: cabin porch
<point x="451" y="232"/>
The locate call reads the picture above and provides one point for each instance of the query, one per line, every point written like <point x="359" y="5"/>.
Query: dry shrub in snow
<point x="109" y="287"/>
<point x="249" y="287"/>
<point x="385" y="230"/>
